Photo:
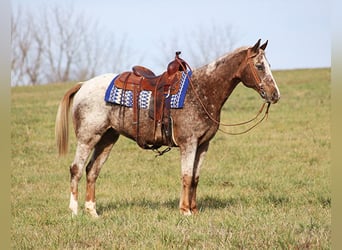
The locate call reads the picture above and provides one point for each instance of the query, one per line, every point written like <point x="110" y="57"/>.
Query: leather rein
<point x="257" y="79"/>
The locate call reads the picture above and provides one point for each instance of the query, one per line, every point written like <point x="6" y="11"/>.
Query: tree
<point x="201" y="46"/>
<point x="27" y="49"/>
<point x="57" y="44"/>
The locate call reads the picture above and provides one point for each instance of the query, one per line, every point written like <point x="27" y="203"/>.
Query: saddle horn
<point x="176" y="65"/>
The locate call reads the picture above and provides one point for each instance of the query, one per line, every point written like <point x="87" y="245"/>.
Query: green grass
<point x="267" y="189"/>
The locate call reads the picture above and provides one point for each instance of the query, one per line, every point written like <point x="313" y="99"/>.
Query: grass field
<point x="268" y="189"/>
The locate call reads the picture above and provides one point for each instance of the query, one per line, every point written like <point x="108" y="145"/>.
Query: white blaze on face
<point x="269" y="73"/>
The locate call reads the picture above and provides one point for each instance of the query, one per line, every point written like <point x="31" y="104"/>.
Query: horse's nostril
<point x="275" y="95"/>
<point x="262" y="93"/>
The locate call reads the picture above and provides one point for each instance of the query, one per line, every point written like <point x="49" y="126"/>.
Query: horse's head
<point x="256" y="73"/>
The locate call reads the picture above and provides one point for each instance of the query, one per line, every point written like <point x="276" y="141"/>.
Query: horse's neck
<point x="216" y="81"/>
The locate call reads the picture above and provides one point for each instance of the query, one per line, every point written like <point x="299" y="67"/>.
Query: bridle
<point x="257" y="80"/>
<point x="252" y="68"/>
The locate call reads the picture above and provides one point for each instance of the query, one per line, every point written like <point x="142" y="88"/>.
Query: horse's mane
<point x="226" y="57"/>
<point x="231" y="54"/>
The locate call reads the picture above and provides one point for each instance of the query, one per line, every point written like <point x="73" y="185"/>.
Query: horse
<point x="98" y="124"/>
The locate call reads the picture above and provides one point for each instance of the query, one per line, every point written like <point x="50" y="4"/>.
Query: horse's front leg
<point x="192" y="158"/>
<point x="201" y="151"/>
<point x="188" y="155"/>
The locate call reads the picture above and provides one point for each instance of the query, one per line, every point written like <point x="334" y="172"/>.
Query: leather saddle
<point x="162" y="87"/>
<point x="145" y="79"/>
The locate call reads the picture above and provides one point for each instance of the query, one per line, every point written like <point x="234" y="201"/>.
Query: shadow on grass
<point x="206" y="202"/>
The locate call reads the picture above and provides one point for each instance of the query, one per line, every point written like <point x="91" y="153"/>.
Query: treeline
<point x="59" y="44"/>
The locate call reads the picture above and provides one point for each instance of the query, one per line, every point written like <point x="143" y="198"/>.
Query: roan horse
<point x="97" y="124"/>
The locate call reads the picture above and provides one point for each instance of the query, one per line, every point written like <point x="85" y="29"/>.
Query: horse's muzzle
<point x="275" y="97"/>
<point x="270" y="95"/>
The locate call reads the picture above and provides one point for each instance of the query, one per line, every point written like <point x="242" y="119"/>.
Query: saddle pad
<point x="125" y="97"/>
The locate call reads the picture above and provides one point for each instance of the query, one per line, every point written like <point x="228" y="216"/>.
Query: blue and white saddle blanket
<point x="125" y="97"/>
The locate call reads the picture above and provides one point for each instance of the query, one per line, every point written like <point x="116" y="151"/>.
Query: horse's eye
<point x="259" y="67"/>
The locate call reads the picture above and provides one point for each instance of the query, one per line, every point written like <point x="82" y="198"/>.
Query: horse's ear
<point x="255" y="48"/>
<point x="263" y="47"/>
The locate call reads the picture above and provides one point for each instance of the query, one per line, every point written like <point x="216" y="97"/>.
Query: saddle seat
<point x="143" y="72"/>
<point x="144" y="79"/>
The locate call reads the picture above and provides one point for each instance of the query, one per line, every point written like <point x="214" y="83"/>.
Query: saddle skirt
<point x="116" y="92"/>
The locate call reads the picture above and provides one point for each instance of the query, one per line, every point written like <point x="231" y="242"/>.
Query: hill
<point x="269" y="188"/>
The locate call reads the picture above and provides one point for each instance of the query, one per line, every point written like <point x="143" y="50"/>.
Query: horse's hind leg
<point x="99" y="156"/>
<point x="76" y="168"/>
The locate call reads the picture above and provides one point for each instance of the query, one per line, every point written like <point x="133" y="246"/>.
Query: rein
<point x="256" y="124"/>
<point x="257" y="79"/>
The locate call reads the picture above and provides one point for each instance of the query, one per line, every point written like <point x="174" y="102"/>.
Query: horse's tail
<point x="62" y="120"/>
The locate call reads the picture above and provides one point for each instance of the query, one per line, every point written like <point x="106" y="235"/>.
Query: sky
<point x="298" y="31"/>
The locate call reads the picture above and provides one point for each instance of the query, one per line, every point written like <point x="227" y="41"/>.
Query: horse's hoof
<point x="90" y="209"/>
<point x="93" y="214"/>
<point x="73" y="214"/>
<point x="185" y="212"/>
<point x="194" y="211"/>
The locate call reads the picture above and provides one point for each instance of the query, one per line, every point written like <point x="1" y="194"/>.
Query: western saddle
<point x="162" y="87"/>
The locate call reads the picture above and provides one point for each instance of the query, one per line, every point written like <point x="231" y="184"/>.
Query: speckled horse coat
<point x="98" y="124"/>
